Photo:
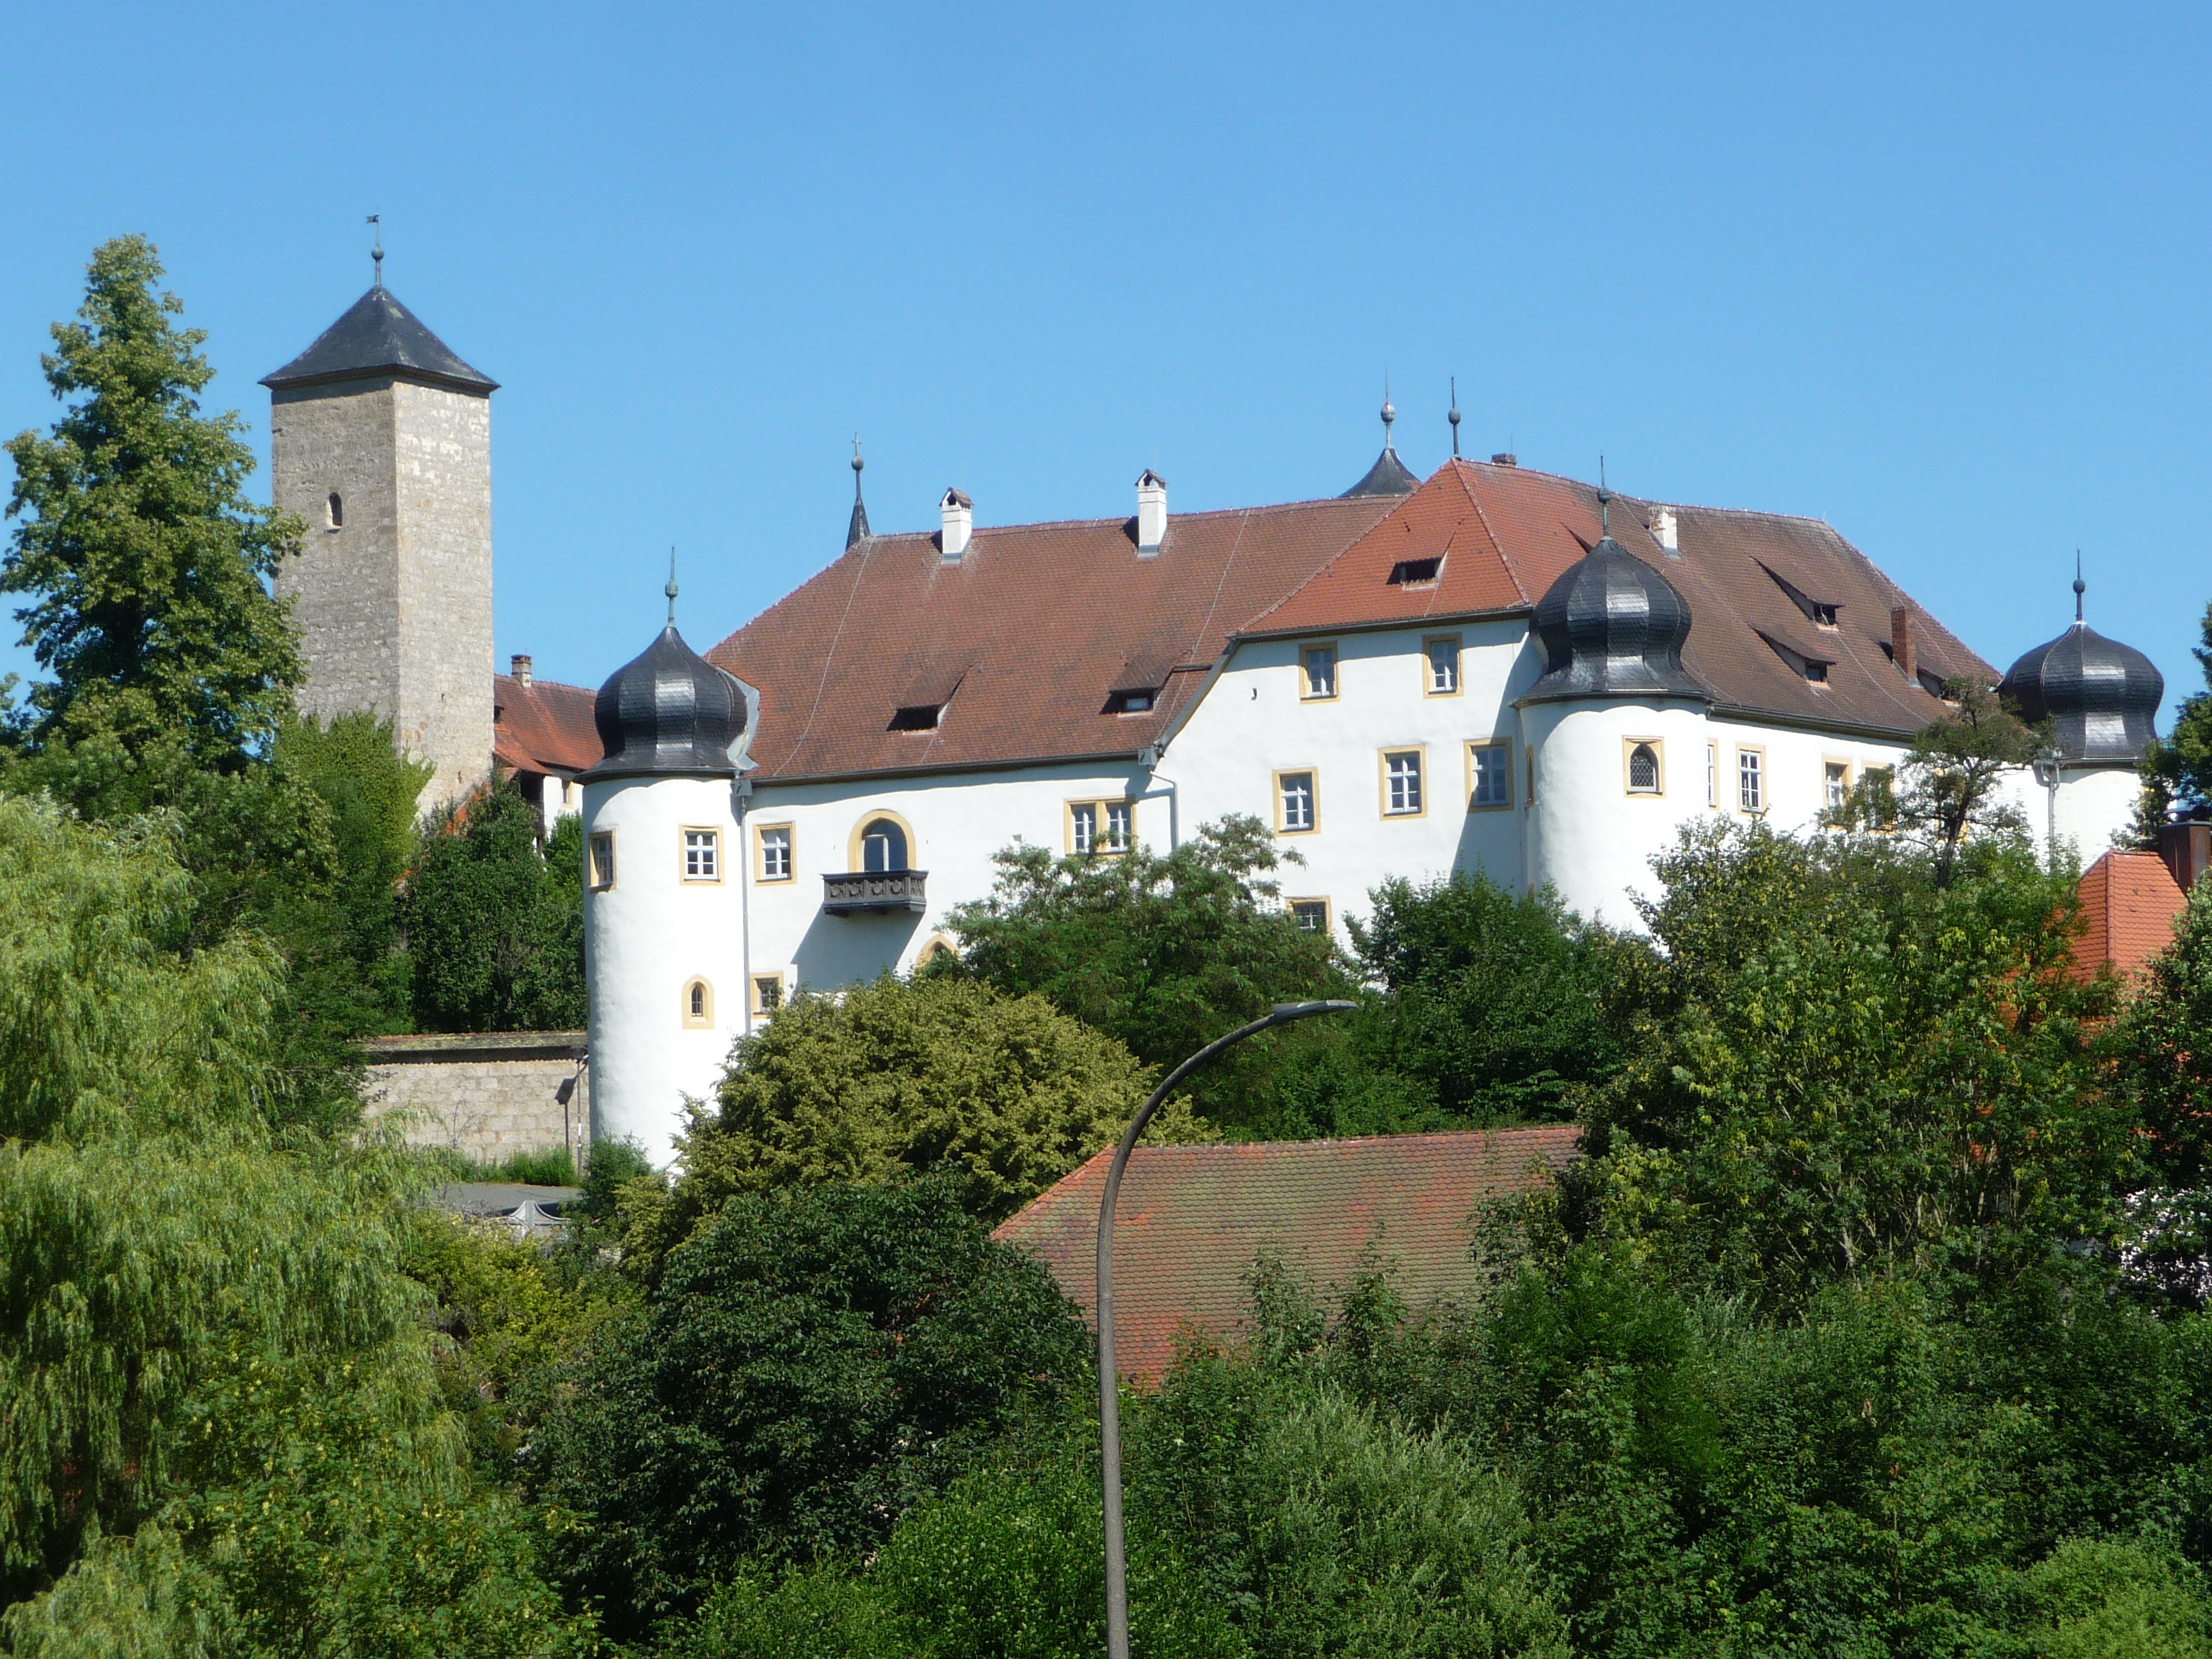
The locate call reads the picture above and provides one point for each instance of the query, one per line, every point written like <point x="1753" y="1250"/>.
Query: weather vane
<point x="377" y="252"/>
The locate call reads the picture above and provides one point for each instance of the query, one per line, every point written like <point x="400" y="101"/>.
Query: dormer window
<point x="917" y="717"/>
<point x="1824" y="615"/>
<point x="1415" y="573"/>
<point x="1812" y="670"/>
<point x="1821" y="613"/>
<point x="1136" y="702"/>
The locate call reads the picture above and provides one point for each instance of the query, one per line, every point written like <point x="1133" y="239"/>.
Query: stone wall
<point x="486" y="1096"/>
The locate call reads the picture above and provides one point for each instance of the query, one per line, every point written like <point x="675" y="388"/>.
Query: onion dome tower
<point x="664" y="917"/>
<point x="1388" y="476"/>
<point x="2102" y="698"/>
<point x="1615" y="727"/>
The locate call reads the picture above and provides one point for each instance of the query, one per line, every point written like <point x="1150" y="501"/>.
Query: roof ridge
<point x="1119" y="518"/>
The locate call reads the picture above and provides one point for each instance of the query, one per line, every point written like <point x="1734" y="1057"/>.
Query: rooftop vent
<point x="1151" y="512"/>
<point x="1415" y="573"/>
<point x="959" y="525"/>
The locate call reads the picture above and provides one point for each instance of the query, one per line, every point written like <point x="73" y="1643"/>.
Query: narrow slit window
<point x="1712" y="774"/>
<point x="702" y="855"/>
<point x="334" y="511"/>
<point x="698" y="1005"/>
<point x="602" y="860"/>
<point x="1644" y="770"/>
<point x="1402" y="783"/>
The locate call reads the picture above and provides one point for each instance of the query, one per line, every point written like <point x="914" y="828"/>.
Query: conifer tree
<point x="145" y="559"/>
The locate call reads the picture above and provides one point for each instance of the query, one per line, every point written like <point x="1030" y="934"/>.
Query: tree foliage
<point x="2177" y="768"/>
<point x="495" y="927"/>
<point x="1003" y="1095"/>
<point x="809" y="1365"/>
<point x="137" y="538"/>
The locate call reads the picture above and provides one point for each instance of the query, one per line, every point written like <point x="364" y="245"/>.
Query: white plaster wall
<point x="2096" y="808"/>
<point x="1592" y="841"/>
<point x="1255" y="723"/>
<point x="955" y="824"/>
<point x="645" y="940"/>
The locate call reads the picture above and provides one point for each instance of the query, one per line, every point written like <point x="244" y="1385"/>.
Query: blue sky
<point x="1936" y="274"/>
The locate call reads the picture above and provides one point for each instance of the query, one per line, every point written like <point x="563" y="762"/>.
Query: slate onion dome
<point x="668" y="713"/>
<point x="1613" y="626"/>
<point x="2100" y="696"/>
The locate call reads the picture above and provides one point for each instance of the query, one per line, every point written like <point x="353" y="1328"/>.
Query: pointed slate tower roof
<point x="1388" y="476"/>
<point x="380" y="336"/>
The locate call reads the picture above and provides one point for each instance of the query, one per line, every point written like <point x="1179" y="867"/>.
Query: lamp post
<point x="1109" y="1403"/>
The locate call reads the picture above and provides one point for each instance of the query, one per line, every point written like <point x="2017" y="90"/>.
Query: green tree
<point x="146" y="558"/>
<point x="1002" y="1095"/>
<point x="1495" y="1000"/>
<point x="494" y="927"/>
<point x="1946" y="788"/>
<point x="224" y="1425"/>
<point x="809" y="1365"/>
<point x="2178" y="769"/>
<point x="1165" y="953"/>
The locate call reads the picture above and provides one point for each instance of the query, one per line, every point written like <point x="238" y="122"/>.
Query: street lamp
<point x="1109" y="1403"/>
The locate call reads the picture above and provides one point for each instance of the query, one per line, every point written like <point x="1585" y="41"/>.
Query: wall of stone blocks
<point x="485" y="1096"/>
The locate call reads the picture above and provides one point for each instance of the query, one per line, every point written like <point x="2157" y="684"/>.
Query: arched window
<point x="1644" y="770"/>
<point x="883" y="848"/>
<point x="698" y="1005"/>
<point x="334" y="511"/>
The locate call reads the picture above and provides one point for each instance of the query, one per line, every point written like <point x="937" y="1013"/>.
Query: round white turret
<point x="664" y="932"/>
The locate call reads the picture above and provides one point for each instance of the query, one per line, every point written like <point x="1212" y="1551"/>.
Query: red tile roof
<point x="2131" y="902"/>
<point x="1027" y="636"/>
<point x="1193" y="1218"/>
<point x="1505" y="534"/>
<point x="545" y="726"/>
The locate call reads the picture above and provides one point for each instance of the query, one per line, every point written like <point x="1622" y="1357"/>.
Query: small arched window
<point x="334" y="511"/>
<point x="1642" y="770"/>
<point x="698" y="1005"/>
<point x="883" y="848"/>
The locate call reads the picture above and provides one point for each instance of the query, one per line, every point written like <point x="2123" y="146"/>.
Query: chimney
<point x="521" y="665"/>
<point x="2187" y="850"/>
<point x="1900" y="642"/>
<point x="1151" y="514"/>
<point x="959" y="525"/>
<point x="1503" y="458"/>
<point x="1665" y="532"/>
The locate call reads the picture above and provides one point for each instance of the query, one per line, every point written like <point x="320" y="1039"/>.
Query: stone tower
<point x="382" y="441"/>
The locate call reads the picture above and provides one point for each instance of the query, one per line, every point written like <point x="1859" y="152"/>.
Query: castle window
<point x="602" y="860"/>
<point x="1295" y="811"/>
<point x="773" y="841"/>
<point x="1402" y="784"/>
<point x="1712" y="774"/>
<point x="883" y="848"/>
<point x="939" y="949"/>
<point x="1318" y="672"/>
<point x="698" y="1005"/>
<point x="1311" y="915"/>
<point x="767" y="993"/>
<point x="1836" y="784"/>
<point x="1489" y="775"/>
<point x="334" y="511"/>
<point x="1645" y="776"/>
<point x="1751" y="780"/>
<point x="702" y="855"/>
<point x="1099" y="826"/>
<point x="1082" y="828"/>
<point x="1442" y="657"/>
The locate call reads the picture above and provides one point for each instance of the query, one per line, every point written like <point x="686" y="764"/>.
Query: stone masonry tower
<point x="382" y="440"/>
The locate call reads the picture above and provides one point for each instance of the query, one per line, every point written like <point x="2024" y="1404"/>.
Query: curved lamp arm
<point x="1109" y="1400"/>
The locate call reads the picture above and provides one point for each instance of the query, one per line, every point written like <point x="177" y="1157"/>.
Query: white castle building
<point x="1491" y="669"/>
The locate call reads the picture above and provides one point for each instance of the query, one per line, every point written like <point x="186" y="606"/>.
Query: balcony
<point x="875" y="893"/>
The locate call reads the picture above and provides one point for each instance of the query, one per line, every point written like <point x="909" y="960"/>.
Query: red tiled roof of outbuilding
<point x="544" y="727"/>
<point x="1192" y="1219"/>
<point x="2130" y="903"/>
<point x="1027" y="636"/>
<point x="1505" y="534"/>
